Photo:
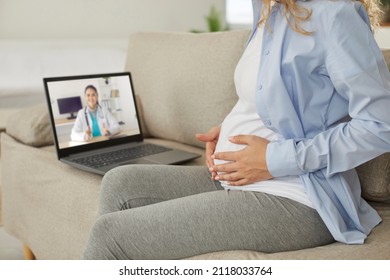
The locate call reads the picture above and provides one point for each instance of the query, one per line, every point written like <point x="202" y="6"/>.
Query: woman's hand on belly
<point x="211" y="140"/>
<point x="245" y="166"/>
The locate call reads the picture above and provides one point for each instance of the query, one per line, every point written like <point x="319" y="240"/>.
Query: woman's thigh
<point x="139" y="185"/>
<point x="207" y="222"/>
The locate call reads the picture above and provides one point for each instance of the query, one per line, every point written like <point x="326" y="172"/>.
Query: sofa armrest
<point x="47" y="205"/>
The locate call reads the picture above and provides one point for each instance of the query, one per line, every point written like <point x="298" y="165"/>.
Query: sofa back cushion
<point x="374" y="177"/>
<point x="31" y="126"/>
<point x="184" y="80"/>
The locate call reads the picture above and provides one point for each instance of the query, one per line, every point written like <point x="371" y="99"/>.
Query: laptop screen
<point x="93" y="111"/>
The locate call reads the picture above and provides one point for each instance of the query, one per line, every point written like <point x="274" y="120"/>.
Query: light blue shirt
<point x="328" y="95"/>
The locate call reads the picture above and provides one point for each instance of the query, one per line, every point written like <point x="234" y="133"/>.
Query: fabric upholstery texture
<point x="51" y="194"/>
<point x="4" y="115"/>
<point x="140" y="111"/>
<point x="1" y="216"/>
<point x="31" y="126"/>
<point x="374" y="177"/>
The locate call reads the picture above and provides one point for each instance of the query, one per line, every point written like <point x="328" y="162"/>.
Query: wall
<point x="46" y="38"/>
<point x="382" y="36"/>
<point x="27" y="19"/>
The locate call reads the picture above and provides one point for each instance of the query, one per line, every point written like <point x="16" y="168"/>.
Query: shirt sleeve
<point x="360" y="75"/>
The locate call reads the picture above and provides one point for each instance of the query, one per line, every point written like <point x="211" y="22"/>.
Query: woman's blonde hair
<point x="300" y="14"/>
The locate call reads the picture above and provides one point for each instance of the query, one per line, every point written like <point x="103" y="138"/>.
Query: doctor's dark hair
<point x="90" y="87"/>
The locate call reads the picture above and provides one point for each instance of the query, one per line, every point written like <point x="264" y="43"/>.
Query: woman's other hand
<point x="211" y="140"/>
<point x="245" y="166"/>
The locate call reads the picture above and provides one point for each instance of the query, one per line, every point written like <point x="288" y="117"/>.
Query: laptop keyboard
<point x="108" y="158"/>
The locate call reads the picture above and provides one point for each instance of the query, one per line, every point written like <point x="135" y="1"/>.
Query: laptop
<point x="109" y="135"/>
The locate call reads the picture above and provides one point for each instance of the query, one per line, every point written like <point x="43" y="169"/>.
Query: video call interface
<point x="91" y="110"/>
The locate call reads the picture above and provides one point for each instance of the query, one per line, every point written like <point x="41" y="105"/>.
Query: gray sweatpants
<point x="173" y="212"/>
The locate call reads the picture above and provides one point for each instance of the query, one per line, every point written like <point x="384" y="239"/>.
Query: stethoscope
<point x="99" y="113"/>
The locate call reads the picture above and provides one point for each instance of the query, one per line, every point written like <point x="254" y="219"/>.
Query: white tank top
<point x="243" y="119"/>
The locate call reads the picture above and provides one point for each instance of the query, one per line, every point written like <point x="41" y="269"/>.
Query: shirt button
<point x="259" y="87"/>
<point x="266" y="52"/>
<point x="267" y="123"/>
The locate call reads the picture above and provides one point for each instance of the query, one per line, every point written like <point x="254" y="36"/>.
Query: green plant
<point x="214" y="22"/>
<point x="385" y="2"/>
<point x="385" y="6"/>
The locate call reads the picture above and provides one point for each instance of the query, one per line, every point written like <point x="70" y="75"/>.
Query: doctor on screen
<point x="93" y="120"/>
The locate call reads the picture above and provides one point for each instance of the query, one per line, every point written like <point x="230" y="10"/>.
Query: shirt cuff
<point x="281" y="160"/>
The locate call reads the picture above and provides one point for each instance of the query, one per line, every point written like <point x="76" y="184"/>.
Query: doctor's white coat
<point x="104" y="117"/>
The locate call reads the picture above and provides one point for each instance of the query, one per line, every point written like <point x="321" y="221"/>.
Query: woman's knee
<point x="117" y="184"/>
<point x="117" y="180"/>
<point x="101" y="243"/>
<point x="112" y="180"/>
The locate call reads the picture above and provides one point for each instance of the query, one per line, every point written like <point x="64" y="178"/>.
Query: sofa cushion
<point x="182" y="78"/>
<point x="140" y="110"/>
<point x="374" y="177"/>
<point x="31" y="126"/>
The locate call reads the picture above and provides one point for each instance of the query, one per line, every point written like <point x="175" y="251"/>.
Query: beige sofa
<point x="184" y="84"/>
